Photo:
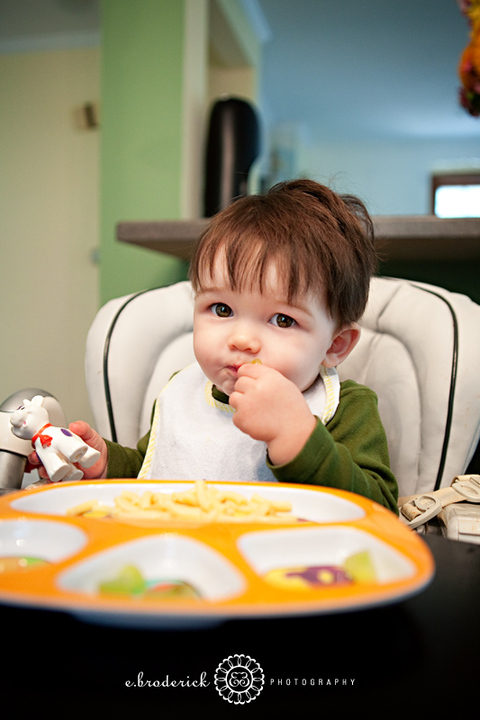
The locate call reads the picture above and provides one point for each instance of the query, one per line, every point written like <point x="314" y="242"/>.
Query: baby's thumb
<point x="87" y="433"/>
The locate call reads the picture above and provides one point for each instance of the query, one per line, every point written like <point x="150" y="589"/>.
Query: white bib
<point x="193" y="436"/>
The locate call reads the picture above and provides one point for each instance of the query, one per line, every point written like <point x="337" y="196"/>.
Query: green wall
<point x="141" y="116"/>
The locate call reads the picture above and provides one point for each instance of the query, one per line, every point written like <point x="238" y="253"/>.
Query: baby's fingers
<point x="243" y="384"/>
<point x="34" y="463"/>
<point x="250" y="368"/>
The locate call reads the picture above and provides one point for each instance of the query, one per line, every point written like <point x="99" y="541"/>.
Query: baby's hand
<point x="89" y="436"/>
<point x="271" y="408"/>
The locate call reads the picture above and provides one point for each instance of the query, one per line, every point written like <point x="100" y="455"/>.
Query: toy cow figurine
<point x="57" y="448"/>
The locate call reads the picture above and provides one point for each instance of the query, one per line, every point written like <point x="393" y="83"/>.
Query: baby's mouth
<point x="234" y="368"/>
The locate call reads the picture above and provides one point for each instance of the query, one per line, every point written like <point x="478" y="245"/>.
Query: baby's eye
<point x="282" y="321"/>
<point x="221" y="310"/>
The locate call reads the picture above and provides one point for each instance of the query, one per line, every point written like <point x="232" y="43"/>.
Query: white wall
<point x="48" y="223"/>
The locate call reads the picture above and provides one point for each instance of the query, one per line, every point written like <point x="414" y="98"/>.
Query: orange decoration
<point x="469" y="65"/>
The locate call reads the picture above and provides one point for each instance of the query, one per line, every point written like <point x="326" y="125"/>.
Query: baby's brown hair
<point x="322" y="242"/>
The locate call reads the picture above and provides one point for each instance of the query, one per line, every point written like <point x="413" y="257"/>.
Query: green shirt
<point x="350" y="452"/>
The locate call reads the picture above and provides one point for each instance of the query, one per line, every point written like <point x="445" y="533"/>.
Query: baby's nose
<point x="245" y="340"/>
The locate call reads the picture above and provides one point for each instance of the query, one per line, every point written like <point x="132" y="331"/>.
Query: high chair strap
<point x="418" y="509"/>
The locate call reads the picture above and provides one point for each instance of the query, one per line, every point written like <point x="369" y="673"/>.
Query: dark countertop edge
<point x="399" y="237"/>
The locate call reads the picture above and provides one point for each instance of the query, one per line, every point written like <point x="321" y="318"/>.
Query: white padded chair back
<point x="419" y="351"/>
<point x="134" y="346"/>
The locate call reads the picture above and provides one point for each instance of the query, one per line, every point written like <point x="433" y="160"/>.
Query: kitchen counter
<point x="400" y="237"/>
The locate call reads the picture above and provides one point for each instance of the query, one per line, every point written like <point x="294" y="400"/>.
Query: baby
<point x="280" y="281"/>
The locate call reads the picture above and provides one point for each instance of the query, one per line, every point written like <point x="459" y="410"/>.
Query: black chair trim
<point x="106" y="353"/>
<point x="453" y="382"/>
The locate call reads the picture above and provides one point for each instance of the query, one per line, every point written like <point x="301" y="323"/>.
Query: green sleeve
<point x="349" y="453"/>
<point x="124" y="462"/>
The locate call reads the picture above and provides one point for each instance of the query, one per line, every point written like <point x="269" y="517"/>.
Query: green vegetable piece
<point x="360" y="567"/>
<point x="129" y="581"/>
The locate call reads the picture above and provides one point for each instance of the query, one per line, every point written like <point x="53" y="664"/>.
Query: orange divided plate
<point x="230" y="570"/>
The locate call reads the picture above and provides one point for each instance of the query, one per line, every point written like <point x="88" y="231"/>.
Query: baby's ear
<point x="342" y="345"/>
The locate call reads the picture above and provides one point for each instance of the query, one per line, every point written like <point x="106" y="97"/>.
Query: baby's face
<point x="232" y="328"/>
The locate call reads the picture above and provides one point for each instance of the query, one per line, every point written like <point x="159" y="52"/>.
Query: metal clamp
<point x="428" y="505"/>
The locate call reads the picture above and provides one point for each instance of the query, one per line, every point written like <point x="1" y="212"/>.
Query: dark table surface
<point x="419" y="655"/>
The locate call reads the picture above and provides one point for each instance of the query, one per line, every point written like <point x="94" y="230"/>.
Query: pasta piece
<point x="203" y="502"/>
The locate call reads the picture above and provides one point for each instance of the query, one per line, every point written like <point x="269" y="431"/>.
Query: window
<point x="456" y="195"/>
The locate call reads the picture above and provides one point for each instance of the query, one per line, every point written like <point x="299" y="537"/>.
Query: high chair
<point x="419" y="351"/>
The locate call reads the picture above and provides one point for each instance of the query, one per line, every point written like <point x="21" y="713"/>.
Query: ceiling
<point x="336" y="69"/>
